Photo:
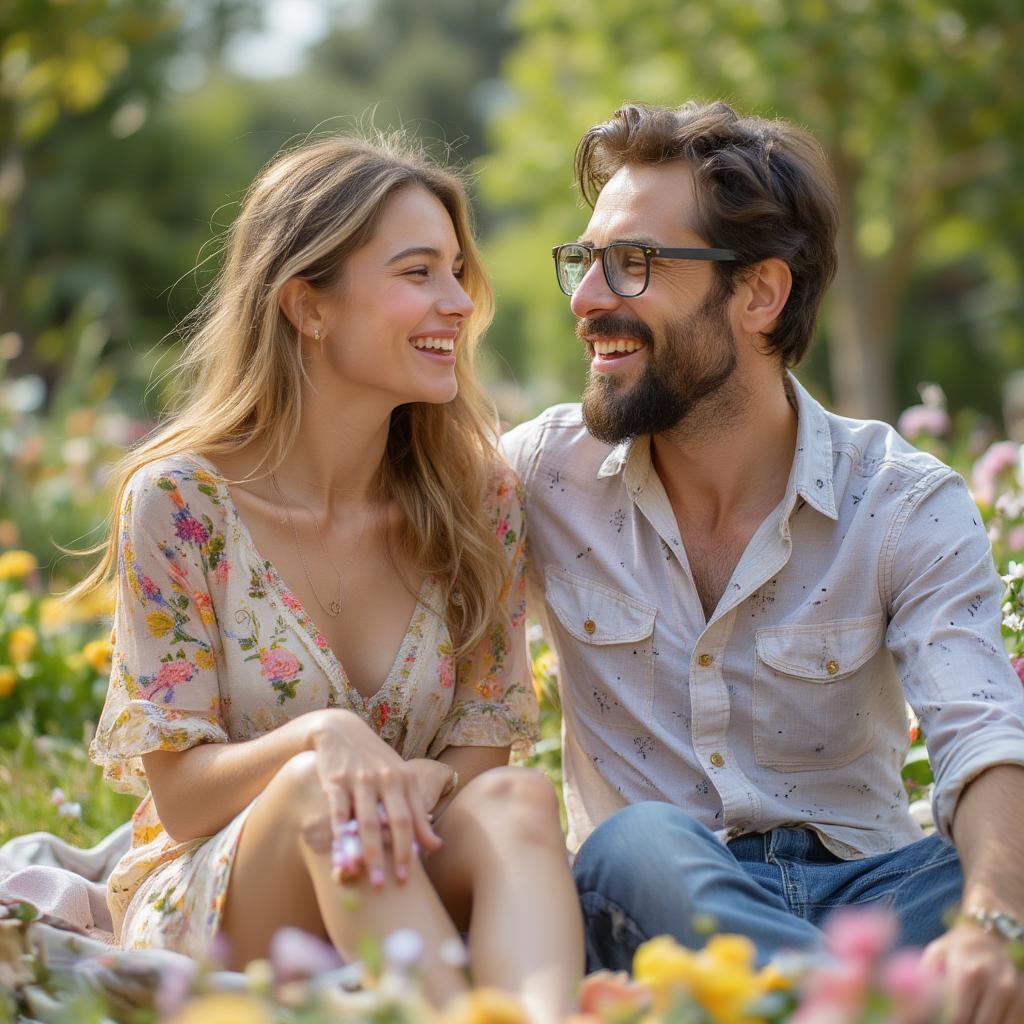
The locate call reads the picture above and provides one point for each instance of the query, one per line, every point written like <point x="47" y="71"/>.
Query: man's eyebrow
<point x="421" y="250"/>
<point x="633" y="241"/>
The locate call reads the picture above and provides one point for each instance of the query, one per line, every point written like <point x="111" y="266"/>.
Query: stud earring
<point x="316" y="333"/>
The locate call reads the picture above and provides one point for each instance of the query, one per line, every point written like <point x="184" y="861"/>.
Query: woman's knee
<point x="297" y="792"/>
<point x="519" y="800"/>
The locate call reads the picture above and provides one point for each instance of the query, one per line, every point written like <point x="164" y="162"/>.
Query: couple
<point x="320" y="667"/>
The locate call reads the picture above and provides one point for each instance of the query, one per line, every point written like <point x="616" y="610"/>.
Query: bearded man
<point x="744" y="590"/>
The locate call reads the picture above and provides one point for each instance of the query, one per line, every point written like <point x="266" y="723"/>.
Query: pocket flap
<point x="596" y="614"/>
<point x="823" y="651"/>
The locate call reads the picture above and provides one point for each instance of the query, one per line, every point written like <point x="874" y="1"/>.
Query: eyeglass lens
<point x="625" y="267"/>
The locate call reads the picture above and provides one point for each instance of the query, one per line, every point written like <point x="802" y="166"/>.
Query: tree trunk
<point x="860" y="361"/>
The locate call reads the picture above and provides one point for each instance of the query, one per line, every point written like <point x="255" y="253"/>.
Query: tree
<point x="915" y="103"/>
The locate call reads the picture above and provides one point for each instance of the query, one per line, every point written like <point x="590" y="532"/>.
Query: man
<point x="744" y="590"/>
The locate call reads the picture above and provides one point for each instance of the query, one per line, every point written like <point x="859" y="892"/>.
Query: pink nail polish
<point x="377" y="877"/>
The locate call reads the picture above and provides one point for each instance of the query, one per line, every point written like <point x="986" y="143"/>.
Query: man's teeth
<point x="441" y="344"/>
<point x="607" y="348"/>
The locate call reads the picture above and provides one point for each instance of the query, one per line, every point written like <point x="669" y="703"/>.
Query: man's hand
<point x="983" y="982"/>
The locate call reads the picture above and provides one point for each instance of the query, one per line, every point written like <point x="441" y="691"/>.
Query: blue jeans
<point x="652" y="870"/>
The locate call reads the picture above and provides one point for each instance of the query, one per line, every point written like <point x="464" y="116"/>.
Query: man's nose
<point x="593" y="295"/>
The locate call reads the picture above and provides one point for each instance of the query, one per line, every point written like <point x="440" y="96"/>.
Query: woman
<point x="319" y="661"/>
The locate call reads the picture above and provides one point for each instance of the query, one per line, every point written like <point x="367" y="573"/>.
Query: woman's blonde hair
<point x="242" y="368"/>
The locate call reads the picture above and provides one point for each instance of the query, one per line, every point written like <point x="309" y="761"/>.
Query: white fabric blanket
<point x="68" y="887"/>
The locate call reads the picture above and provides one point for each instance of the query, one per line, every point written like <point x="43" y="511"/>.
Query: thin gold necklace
<point x="334" y="608"/>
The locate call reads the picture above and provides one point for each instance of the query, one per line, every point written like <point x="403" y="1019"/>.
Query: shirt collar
<point x="810" y="477"/>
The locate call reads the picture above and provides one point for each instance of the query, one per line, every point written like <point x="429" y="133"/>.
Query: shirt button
<point x="832" y="667"/>
<point x="704" y="660"/>
<point x="590" y="627"/>
<point x="717" y="760"/>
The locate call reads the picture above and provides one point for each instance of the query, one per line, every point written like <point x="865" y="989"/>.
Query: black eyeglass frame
<point x="650" y="252"/>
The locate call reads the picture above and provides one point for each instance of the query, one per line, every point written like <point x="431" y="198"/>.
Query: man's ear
<point x="297" y="300"/>
<point x="766" y="287"/>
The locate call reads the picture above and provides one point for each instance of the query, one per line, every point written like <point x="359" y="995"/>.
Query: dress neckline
<point x="294" y="609"/>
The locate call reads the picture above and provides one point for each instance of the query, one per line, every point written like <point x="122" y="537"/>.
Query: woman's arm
<point x="199" y="790"/>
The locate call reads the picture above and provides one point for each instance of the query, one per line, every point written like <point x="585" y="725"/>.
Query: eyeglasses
<point x="626" y="265"/>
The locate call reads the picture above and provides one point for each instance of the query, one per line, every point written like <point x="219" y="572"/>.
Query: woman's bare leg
<point x="282" y="876"/>
<point x="503" y="873"/>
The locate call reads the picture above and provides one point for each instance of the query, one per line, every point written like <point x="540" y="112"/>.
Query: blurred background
<point x="129" y="130"/>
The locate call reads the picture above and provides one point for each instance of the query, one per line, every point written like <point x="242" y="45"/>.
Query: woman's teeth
<point x="440" y="344"/>
<point x="607" y="348"/>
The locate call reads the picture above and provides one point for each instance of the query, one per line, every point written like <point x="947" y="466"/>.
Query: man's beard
<point x="691" y="363"/>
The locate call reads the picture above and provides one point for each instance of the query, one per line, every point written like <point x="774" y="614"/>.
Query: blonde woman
<point x="319" y="660"/>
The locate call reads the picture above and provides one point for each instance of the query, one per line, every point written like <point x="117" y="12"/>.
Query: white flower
<point x="57" y="796"/>
<point x="403" y="949"/>
<point x="453" y="953"/>
<point x="70" y="809"/>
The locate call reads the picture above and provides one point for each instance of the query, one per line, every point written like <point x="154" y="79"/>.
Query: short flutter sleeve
<point x="495" y="704"/>
<point x="164" y="692"/>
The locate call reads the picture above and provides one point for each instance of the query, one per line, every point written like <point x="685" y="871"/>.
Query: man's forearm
<point x="988" y="831"/>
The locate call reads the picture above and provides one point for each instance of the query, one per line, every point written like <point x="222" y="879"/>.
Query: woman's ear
<point x="297" y="301"/>
<point x="766" y="288"/>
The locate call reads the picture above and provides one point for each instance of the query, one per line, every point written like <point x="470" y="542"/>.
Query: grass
<point x="31" y="767"/>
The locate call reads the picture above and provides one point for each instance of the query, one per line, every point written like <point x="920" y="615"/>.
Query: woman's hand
<point x="361" y="773"/>
<point x="434" y="779"/>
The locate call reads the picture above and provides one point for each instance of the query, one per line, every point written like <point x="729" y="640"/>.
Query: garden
<point x="128" y="133"/>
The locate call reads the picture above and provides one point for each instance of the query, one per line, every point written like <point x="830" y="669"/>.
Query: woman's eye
<point x="459" y="273"/>
<point x="417" y="272"/>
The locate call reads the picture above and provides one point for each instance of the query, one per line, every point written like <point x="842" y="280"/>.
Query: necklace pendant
<point x="335" y="608"/>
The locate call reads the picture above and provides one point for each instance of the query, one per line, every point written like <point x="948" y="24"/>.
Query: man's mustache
<point x="614" y="325"/>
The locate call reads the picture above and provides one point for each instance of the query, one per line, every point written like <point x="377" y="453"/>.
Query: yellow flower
<point x="8" y="677"/>
<point x="773" y="980"/>
<point x="666" y="968"/>
<point x="16" y="565"/>
<point x="97" y="654"/>
<point x="160" y="623"/>
<point x="731" y="950"/>
<point x="223" y="1008"/>
<point x="205" y="659"/>
<point x="21" y="644"/>
<point x="485" y="1006"/>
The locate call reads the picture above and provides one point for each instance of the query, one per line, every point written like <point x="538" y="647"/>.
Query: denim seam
<point x="903" y="876"/>
<point x="610" y="909"/>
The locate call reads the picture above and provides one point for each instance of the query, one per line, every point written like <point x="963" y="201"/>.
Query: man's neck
<point x="733" y="471"/>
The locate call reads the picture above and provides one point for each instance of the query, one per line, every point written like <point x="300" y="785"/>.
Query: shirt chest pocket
<point x="813" y="693"/>
<point x="607" y="650"/>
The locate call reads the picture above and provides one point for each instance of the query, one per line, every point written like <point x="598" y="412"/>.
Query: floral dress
<point x="210" y="646"/>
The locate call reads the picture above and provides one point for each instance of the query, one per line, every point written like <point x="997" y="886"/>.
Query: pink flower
<point x="149" y="588"/>
<point x="279" y="665"/>
<point x="291" y="601"/>
<point x="923" y="419"/>
<point x="189" y="528"/>
<point x="446" y="673"/>
<point x="173" y="673"/>
<point x="906" y="978"/>
<point x="502" y="528"/>
<point x="860" y="934"/>
<point x="999" y="457"/>
<point x="295" y="954"/>
<point x="222" y="571"/>
<point x="1018" y="667"/>
<point x="321" y="641"/>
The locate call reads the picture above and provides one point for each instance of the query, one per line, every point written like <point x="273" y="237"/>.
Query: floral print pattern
<point x="212" y="646"/>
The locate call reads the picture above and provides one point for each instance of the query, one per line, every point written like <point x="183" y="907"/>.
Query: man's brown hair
<point x="763" y="188"/>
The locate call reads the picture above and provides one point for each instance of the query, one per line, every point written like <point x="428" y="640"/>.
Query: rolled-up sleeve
<point x="945" y="633"/>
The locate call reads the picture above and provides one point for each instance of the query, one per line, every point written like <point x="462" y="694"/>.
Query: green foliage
<point x="32" y="767"/>
<point x="915" y="105"/>
<point x="54" y="661"/>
